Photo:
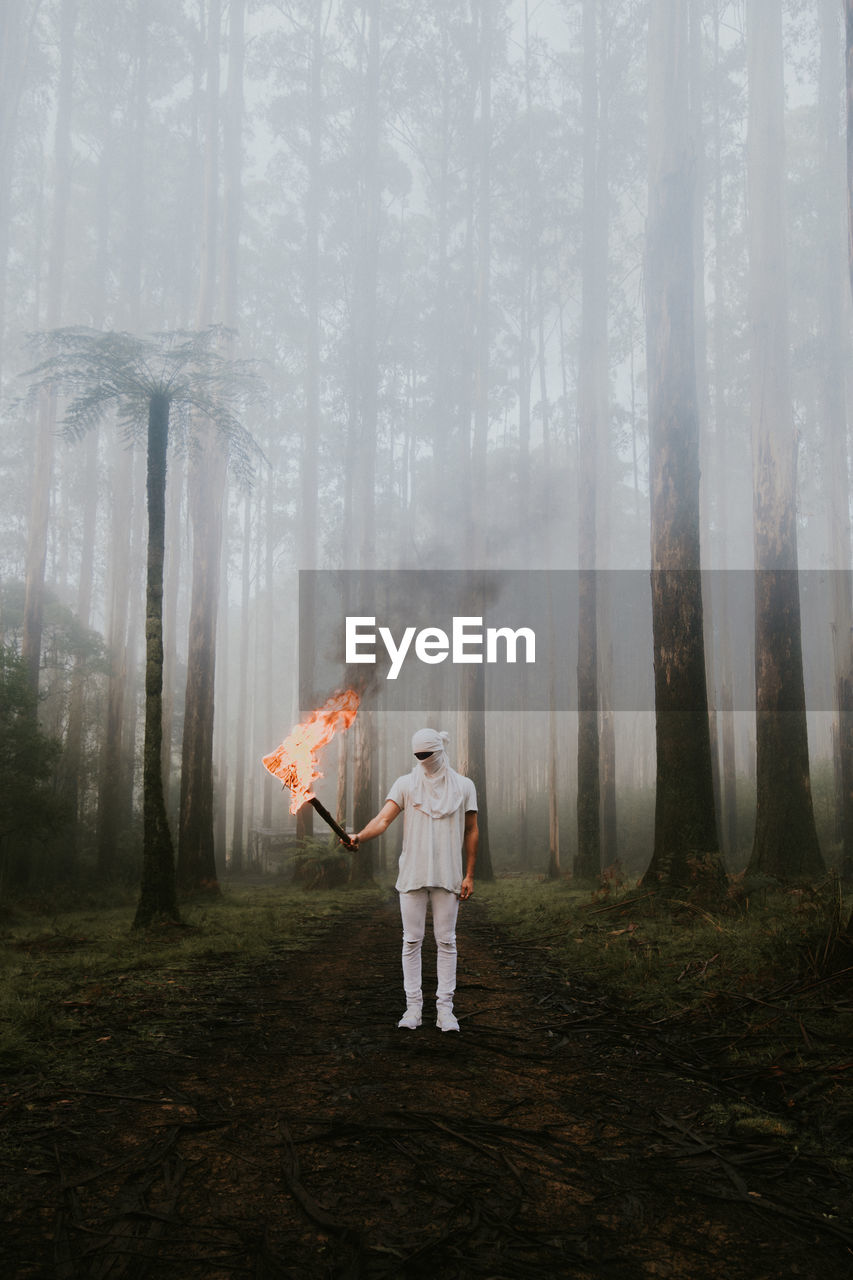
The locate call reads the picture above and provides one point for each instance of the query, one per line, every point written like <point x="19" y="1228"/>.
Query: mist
<point x="511" y="302"/>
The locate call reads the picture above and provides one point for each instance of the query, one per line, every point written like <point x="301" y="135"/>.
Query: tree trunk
<point x="310" y="470"/>
<point x="840" y="470"/>
<point x="728" y="771"/>
<point x="210" y="208"/>
<point x="554" y="867"/>
<point x="231" y="220"/>
<point x="175" y="515"/>
<point x="785" y="843"/>
<point x="267" y="665"/>
<point x="207" y="496"/>
<point x="135" y="588"/>
<point x="366" y="377"/>
<point x="363" y="791"/>
<point x="196" y="849"/>
<point x="473" y="683"/>
<point x="475" y="762"/>
<point x="72" y="759"/>
<point x="474" y="678"/>
<point x="708" y="480"/>
<point x="16" y="38"/>
<point x="241" y="742"/>
<point x="46" y="429"/>
<point x="685" y="842"/>
<point x="158" y="891"/>
<point x="111" y="757"/>
<point x="591" y="423"/>
<point x="848" y="45"/>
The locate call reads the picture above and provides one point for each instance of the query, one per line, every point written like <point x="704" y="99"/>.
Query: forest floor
<point x="264" y="1117"/>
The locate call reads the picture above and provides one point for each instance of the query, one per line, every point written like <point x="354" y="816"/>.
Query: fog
<point x="539" y="290"/>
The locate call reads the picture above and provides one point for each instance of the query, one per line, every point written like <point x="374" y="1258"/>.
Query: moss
<point x="741" y="1118"/>
<point x="56" y="965"/>
<point x="668" y="956"/>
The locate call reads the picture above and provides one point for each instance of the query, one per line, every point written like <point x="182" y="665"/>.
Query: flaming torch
<point x="295" y="761"/>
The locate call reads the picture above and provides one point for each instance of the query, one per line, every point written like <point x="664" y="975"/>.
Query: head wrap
<point x="434" y="786"/>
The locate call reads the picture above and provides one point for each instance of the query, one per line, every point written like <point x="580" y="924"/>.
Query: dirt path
<point x="282" y="1126"/>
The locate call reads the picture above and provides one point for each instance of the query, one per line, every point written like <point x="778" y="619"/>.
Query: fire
<point x="295" y="761"/>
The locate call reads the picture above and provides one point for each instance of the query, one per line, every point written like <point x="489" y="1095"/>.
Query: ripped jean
<point x="413" y="908"/>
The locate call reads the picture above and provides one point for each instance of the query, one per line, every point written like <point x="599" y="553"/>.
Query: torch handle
<point x="327" y="817"/>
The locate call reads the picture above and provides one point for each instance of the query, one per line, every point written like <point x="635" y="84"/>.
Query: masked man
<point x="439" y="808"/>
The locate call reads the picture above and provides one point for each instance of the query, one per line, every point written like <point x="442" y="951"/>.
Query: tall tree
<point x="365" y="395"/>
<point x="833" y="312"/>
<point x="685" y="825"/>
<point x="474" y="679"/>
<point x="785" y="843"/>
<point x="241" y="732"/>
<point x="310" y="457"/>
<point x="145" y="379"/>
<point x="725" y="536"/>
<point x="126" y="517"/>
<point x="592" y="424"/>
<point x="207" y="497"/>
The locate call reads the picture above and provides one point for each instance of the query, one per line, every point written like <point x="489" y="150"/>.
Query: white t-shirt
<point x="432" y="847"/>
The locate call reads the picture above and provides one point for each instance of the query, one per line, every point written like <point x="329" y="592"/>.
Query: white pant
<point x="413" y="909"/>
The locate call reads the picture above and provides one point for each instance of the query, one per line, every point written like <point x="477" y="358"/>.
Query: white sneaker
<point x="446" y="1020"/>
<point x="411" y="1018"/>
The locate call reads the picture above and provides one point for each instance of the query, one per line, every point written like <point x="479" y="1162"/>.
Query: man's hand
<point x="351" y="842"/>
<point x="467" y="888"/>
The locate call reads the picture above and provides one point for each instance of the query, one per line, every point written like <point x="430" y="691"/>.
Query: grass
<point x="744" y="981"/>
<point x="54" y="963"/>
<point x="737" y="992"/>
<point x="669" y="957"/>
<point x="742" y="989"/>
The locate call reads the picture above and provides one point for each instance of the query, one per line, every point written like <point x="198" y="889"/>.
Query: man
<point x="439" y="809"/>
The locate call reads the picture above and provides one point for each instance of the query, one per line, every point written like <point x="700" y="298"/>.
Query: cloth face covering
<point x="434" y="786"/>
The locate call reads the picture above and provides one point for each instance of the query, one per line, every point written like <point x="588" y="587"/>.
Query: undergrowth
<point x="667" y="956"/>
<point x="744" y="990"/>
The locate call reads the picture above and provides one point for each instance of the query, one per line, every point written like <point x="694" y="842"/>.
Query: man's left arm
<point x="470" y="841"/>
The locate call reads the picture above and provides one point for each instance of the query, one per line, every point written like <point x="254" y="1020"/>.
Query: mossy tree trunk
<point x="158" y="891"/>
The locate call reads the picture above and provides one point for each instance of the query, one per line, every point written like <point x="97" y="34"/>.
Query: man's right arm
<point x="380" y="823"/>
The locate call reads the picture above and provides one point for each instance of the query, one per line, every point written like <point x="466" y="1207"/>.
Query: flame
<point x="295" y="761"/>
